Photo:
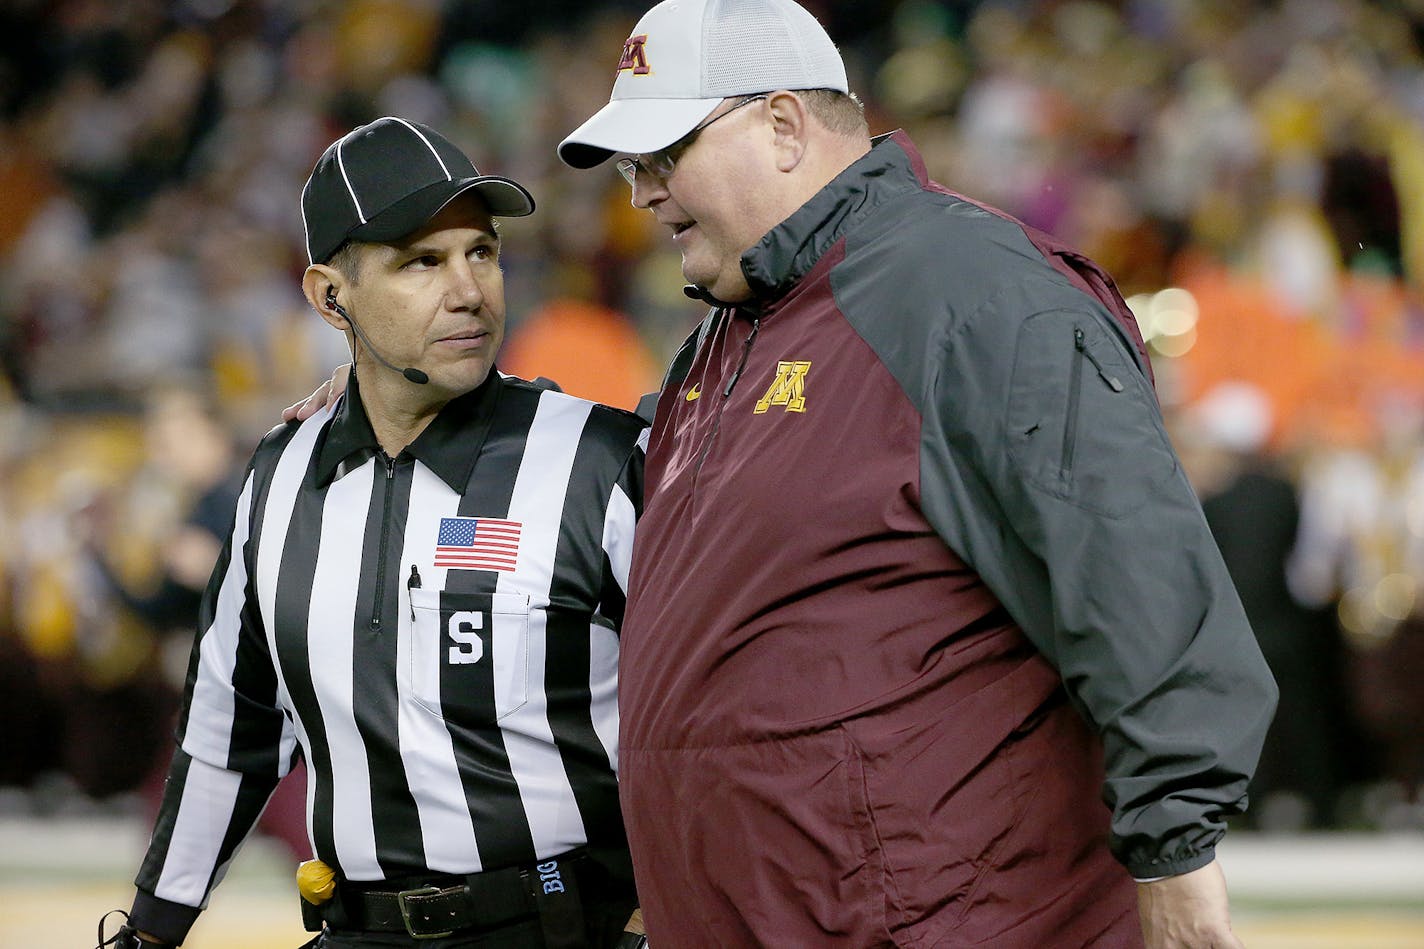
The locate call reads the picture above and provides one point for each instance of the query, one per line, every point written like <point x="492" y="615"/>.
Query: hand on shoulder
<point x="325" y="394"/>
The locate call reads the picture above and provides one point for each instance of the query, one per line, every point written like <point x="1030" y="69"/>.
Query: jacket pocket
<point x="468" y="654"/>
<point x="1075" y="395"/>
<point x="1082" y="419"/>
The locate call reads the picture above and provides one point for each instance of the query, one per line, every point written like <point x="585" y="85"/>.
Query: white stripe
<point x="618" y="528"/>
<point x="209" y="798"/>
<point x="331" y="659"/>
<point x="421" y="136"/>
<point x="534" y="759"/>
<point x="427" y="751"/>
<point x="341" y="163"/>
<point x="209" y="732"/>
<point x="603" y="689"/>
<point x="618" y="523"/>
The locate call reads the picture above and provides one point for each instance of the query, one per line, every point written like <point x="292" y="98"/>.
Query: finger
<point x="316" y="401"/>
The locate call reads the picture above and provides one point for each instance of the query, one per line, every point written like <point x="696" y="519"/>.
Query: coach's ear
<point x="791" y="124"/>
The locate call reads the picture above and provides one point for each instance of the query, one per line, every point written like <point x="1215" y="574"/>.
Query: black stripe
<point x="612" y="601"/>
<point x="292" y="610"/>
<point x="152" y="867"/>
<point x="252" y="795"/>
<point x="502" y="831"/>
<point x="399" y="846"/>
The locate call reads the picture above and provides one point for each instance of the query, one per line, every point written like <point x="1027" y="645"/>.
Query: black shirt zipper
<point x="380" y="599"/>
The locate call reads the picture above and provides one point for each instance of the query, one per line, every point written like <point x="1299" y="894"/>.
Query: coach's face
<point x="433" y="301"/>
<point x="715" y="201"/>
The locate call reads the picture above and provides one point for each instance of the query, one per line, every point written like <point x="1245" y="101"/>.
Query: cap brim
<point x="503" y="197"/>
<point x="634" y="126"/>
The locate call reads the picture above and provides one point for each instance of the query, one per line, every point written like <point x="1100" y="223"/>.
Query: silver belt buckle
<point x="427" y="890"/>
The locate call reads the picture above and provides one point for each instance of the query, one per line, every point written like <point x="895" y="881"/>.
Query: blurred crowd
<point x="1252" y="173"/>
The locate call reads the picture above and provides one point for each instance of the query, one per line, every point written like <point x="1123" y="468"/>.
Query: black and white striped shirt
<point x="438" y="633"/>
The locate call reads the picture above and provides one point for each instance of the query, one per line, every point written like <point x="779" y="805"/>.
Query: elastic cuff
<point x="1170" y="866"/>
<point x="165" y="919"/>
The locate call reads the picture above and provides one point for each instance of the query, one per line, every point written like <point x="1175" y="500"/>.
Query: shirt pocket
<point x="469" y="655"/>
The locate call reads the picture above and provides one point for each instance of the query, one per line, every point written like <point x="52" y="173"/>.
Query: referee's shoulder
<point x="271" y="444"/>
<point x="607" y="419"/>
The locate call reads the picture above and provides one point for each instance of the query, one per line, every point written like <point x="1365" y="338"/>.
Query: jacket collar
<point x="788" y="251"/>
<point x="448" y="446"/>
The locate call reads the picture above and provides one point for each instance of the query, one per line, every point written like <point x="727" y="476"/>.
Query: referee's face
<point x="434" y="300"/>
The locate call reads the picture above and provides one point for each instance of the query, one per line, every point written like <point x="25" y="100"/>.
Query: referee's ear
<point x="322" y="285"/>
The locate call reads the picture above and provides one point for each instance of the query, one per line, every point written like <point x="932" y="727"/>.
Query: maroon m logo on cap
<point x="635" y="56"/>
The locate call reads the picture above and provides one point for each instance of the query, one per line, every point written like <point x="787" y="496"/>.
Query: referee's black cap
<point x="384" y="180"/>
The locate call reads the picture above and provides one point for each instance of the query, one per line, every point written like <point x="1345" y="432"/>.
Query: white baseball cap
<point x="686" y="56"/>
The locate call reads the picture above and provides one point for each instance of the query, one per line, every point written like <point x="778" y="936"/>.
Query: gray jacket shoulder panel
<point x="1045" y="465"/>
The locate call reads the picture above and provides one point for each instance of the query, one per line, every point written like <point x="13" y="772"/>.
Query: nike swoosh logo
<point x="694" y="393"/>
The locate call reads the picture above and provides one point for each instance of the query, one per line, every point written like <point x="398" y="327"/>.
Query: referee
<point x="420" y="595"/>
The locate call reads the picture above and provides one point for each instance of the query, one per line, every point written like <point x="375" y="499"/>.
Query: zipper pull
<point x="746" y="351"/>
<point x="412" y="584"/>
<point x="1082" y="346"/>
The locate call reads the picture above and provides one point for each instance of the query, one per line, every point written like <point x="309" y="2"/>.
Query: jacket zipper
<point x="726" y="394"/>
<point x="385" y="538"/>
<point x="746" y="351"/>
<point x="1075" y="386"/>
<point x="1082" y="346"/>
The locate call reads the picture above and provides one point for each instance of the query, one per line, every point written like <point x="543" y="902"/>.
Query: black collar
<point x="448" y="446"/>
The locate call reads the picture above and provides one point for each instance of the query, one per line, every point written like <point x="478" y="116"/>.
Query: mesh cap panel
<point x="756" y="46"/>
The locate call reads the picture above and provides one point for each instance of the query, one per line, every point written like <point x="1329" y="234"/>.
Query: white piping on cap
<point x="341" y="163"/>
<point x="419" y="135"/>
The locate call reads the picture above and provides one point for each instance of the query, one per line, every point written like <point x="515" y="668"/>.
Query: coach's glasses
<point x="660" y="164"/>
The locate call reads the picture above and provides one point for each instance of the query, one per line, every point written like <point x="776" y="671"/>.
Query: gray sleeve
<point x="1047" y="467"/>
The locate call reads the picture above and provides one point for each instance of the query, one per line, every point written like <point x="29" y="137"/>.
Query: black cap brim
<point x="503" y="197"/>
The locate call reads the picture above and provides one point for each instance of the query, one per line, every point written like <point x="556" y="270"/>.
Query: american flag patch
<point x="477" y="543"/>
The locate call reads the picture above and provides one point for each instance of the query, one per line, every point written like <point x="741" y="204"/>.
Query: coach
<point x="920" y="578"/>
<point x="421" y="595"/>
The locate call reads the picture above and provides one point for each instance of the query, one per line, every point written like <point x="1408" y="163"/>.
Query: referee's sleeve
<point x="231" y="718"/>
<point x="234" y="744"/>
<point x="206" y="813"/>
<point x="625" y="506"/>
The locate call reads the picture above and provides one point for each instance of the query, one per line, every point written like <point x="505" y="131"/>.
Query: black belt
<point x="434" y="905"/>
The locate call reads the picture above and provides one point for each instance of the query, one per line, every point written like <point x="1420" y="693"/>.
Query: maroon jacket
<point x="835" y="731"/>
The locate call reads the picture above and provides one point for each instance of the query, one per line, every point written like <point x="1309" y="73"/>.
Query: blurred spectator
<point x="1361" y="552"/>
<point x="1267" y="157"/>
<point x="590" y="351"/>
<point x="1253" y="512"/>
<point x="193" y="470"/>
